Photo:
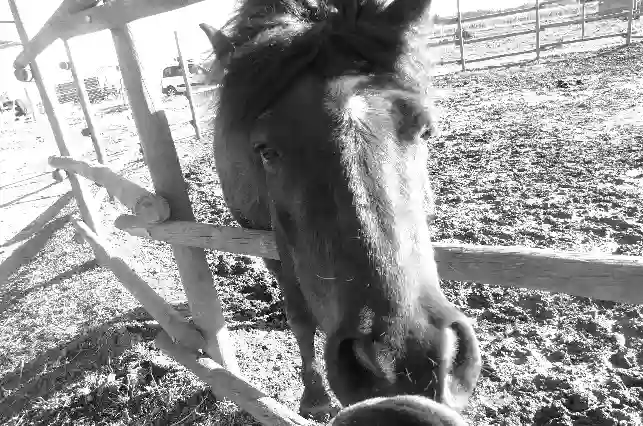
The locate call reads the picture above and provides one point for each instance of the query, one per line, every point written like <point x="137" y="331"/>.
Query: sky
<point x="153" y="35"/>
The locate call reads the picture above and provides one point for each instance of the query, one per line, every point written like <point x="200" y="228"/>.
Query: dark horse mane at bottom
<point x="275" y="41"/>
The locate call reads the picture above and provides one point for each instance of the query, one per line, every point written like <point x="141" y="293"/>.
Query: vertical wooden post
<point x="79" y="186"/>
<point x="537" y="30"/>
<point x="460" y="34"/>
<point x="583" y="15"/>
<point x="630" y="21"/>
<point x="188" y="89"/>
<point x="83" y="97"/>
<point x="160" y="156"/>
<point x="31" y="104"/>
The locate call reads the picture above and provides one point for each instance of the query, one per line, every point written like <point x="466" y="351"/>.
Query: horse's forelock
<point x="276" y="41"/>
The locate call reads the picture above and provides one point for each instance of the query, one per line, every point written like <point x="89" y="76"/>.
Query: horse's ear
<point x="413" y="120"/>
<point x="220" y="42"/>
<point x="397" y="13"/>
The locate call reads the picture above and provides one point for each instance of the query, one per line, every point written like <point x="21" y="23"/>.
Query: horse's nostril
<point x="466" y="364"/>
<point x="461" y="344"/>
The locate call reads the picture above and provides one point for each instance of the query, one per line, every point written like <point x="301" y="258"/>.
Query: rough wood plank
<point x="224" y="384"/>
<point x="147" y="206"/>
<point x="165" y="170"/>
<point x="583" y="19"/>
<point x="538" y="29"/>
<point x="599" y="276"/>
<point x="38" y="223"/>
<point x="223" y="238"/>
<point x="171" y="321"/>
<point x="630" y="21"/>
<point x="80" y="188"/>
<point x="605" y="277"/>
<point x="188" y="88"/>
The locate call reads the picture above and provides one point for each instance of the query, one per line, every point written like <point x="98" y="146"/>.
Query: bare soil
<point x="547" y="155"/>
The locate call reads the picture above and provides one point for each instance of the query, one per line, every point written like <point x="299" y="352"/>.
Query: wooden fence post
<point x="79" y="186"/>
<point x="461" y="36"/>
<point x="83" y="98"/>
<point x="188" y="89"/>
<point x="31" y="104"/>
<point x="537" y="30"/>
<point x="630" y="21"/>
<point x="583" y="15"/>
<point x="161" y="157"/>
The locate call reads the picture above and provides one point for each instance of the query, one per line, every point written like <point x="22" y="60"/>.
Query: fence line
<point x="538" y="28"/>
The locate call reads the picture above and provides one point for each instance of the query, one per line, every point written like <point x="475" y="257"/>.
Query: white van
<point x="172" y="80"/>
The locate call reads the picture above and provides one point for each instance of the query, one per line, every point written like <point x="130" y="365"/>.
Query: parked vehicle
<point x="173" y="83"/>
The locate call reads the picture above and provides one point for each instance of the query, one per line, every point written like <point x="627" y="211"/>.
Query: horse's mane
<point x="275" y="41"/>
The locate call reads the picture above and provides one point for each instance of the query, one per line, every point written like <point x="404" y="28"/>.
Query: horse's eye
<point x="268" y="155"/>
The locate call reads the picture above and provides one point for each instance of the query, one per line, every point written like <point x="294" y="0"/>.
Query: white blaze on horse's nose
<point x="356" y="107"/>
<point x="345" y="106"/>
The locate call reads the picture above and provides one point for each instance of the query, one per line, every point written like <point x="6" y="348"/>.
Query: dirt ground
<point x="547" y="155"/>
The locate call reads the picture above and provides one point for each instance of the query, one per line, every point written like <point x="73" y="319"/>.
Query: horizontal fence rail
<point x="149" y="207"/>
<point x="605" y="277"/>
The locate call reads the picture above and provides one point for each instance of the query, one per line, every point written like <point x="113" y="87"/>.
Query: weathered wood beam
<point x="224" y="238"/>
<point x="224" y="384"/>
<point x="171" y="321"/>
<point x="147" y="206"/>
<point x="86" y="19"/>
<point x="165" y="170"/>
<point x="188" y="88"/>
<point x="604" y="277"/>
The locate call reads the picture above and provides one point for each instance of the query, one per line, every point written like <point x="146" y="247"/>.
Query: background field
<point x="546" y="155"/>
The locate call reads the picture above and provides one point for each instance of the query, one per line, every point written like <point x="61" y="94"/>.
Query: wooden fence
<point x="165" y="214"/>
<point x="540" y="8"/>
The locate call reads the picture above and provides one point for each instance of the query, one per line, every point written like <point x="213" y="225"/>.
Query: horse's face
<point x="346" y="178"/>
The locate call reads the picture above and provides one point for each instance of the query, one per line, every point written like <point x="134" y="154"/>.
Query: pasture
<point x="545" y="156"/>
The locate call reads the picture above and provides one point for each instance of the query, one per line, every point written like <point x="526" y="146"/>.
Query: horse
<point x="319" y="135"/>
